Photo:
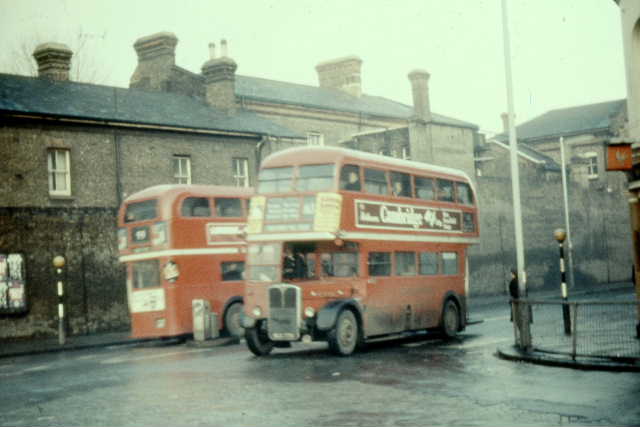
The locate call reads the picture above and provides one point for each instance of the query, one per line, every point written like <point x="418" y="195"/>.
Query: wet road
<point x="410" y="382"/>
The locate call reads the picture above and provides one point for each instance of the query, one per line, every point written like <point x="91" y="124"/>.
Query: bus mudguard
<point x="329" y="313"/>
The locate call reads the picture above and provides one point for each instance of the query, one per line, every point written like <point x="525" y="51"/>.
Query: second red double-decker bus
<point x="180" y="243"/>
<point x="346" y="246"/>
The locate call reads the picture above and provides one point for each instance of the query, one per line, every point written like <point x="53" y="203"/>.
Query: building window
<point x="59" y="172"/>
<point x="241" y="172"/>
<point x="182" y="169"/>
<point x="405" y="153"/>
<point x="592" y="164"/>
<point x="315" y="138"/>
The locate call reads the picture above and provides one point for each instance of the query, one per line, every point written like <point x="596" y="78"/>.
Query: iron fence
<point x="596" y="328"/>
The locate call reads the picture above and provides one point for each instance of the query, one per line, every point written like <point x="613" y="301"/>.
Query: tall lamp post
<point x="560" y="235"/>
<point x="58" y="263"/>
<point x="523" y="315"/>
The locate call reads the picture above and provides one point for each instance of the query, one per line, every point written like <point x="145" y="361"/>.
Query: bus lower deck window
<point x="379" y="264"/>
<point x="449" y="263"/>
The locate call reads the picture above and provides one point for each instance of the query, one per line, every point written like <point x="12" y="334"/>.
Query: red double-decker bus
<point x="180" y="243"/>
<point x="346" y="246"/>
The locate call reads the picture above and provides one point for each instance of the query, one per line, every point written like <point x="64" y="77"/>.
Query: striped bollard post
<point x="58" y="263"/>
<point x="560" y="235"/>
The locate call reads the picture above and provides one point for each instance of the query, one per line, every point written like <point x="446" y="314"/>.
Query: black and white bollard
<point x="560" y="236"/>
<point x="58" y="263"/>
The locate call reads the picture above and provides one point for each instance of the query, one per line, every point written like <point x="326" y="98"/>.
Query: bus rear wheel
<point x="450" y="319"/>
<point x="232" y="320"/>
<point x="343" y="339"/>
<point x="257" y="340"/>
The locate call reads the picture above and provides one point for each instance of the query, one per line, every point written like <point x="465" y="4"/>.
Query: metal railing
<point x="596" y="329"/>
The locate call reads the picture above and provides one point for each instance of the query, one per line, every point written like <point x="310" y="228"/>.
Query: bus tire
<point x="344" y="337"/>
<point x="232" y="326"/>
<point x="258" y="341"/>
<point x="450" y="319"/>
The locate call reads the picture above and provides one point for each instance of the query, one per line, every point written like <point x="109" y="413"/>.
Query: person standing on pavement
<point x="514" y="290"/>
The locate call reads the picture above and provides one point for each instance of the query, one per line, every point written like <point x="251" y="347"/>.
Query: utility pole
<point x="567" y="225"/>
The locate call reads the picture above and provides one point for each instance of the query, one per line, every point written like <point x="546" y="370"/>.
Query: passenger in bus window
<point x="326" y="264"/>
<point x="401" y="184"/>
<point x="232" y="271"/>
<point x="350" y="178"/>
<point x="300" y="266"/>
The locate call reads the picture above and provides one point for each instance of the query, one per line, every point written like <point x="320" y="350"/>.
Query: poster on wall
<point x="13" y="296"/>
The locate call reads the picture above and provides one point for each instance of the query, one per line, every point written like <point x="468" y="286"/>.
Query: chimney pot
<point x="212" y="51"/>
<point x="223" y="47"/>
<point x="505" y="122"/>
<point x="54" y="61"/>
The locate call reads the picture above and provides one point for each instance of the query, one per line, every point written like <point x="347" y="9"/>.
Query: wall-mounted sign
<point x="13" y="296"/>
<point x="619" y="157"/>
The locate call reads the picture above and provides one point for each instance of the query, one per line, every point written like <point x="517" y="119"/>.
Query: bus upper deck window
<point x="401" y="184"/>
<point x="445" y="190"/>
<point x="375" y="181"/>
<point x="424" y="188"/>
<point x="350" y="178"/>
<point x="228" y="207"/>
<point x="195" y="207"/>
<point x="275" y="180"/>
<point x="464" y="194"/>
<point x="316" y="177"/>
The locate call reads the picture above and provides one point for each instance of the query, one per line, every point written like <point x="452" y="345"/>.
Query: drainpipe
<point x="263" y="140"/>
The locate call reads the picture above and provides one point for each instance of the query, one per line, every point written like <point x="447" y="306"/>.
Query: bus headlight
<point x="257" y="311"/>
<point x="309" y="312"/>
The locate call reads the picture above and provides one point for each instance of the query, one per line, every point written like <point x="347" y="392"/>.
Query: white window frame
<point x="315" y="138"/>
<point x="59" y="174"/>
<point x="182" y="174"/>
<point x="240" y="171"/>
<point x="592" y="164"/>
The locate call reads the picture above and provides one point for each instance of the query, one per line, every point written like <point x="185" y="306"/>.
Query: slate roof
<point x="523" y="149"/>
<point x="88" y="101"/>
<point x="329" y="99"/>
<point x="567" y="121"/>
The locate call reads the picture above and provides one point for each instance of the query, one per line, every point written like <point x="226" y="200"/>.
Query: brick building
<point x="71" y="153"/>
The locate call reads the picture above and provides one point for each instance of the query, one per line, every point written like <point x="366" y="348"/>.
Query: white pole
<point x="566" y="213"/>
<point x="521" y="317"/>
<point x="515" y="174"/>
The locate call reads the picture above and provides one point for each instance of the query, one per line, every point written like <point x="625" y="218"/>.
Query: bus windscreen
<point x="141" y="211"/>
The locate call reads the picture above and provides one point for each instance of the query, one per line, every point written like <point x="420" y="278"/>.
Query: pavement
<point x="16" y="348"/>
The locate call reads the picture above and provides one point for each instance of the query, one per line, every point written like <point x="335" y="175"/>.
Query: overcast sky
<point x="564" y="52"/>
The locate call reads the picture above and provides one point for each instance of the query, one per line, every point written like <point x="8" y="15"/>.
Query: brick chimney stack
<point x="342" y="73"/>
<point x="220" y="79"/>
<point x="420" y="90"/>
<point x="156" y="59"/>
<point x="54" y="61"/>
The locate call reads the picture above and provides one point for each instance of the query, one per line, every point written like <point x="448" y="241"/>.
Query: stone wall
<point x="599" y="224"/>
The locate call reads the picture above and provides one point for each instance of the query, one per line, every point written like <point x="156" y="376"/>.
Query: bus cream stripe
<point x="178" y="252"/>
<point x="407" y="237"/>
<point x="363" y="236"/>
<point x="291" y="236"/>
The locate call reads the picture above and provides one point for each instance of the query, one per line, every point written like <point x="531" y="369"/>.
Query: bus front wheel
<point x="344" y="337"/>
<point x="450" y="319"/>
<point x="258" y="341"/>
